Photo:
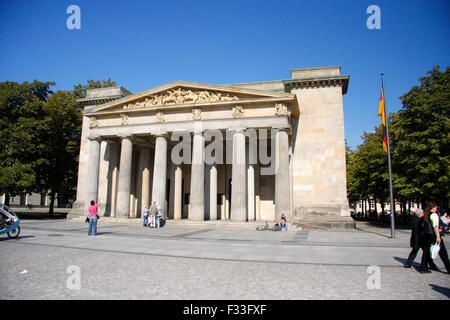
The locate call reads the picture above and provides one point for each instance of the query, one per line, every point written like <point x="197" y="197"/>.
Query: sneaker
<point x="407" y="266"/>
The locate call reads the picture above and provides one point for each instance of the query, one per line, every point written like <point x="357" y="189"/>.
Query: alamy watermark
<point x="374" y="280"/>
<point x="74" y="20"/>
<point x="213" y="143"/>
<point x="374" y="20"/>
<point x="73" y="282"/>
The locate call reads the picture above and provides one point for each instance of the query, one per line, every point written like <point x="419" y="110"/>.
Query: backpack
<point x="427" y="228"/>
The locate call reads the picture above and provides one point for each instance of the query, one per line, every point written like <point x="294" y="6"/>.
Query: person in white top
<point x="158" y="216"/>
<point x="434" y="218"/>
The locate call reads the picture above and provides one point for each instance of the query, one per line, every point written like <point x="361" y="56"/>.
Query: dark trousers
<point x="412" y="256"/>
<point x="443" y="255"/>
<point x="425" y="246"/>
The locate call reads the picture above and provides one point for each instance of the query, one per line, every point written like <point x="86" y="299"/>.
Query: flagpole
<point x="391" y="192"/>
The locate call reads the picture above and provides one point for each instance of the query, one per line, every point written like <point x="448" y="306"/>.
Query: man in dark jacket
<point x="415" y="241"/>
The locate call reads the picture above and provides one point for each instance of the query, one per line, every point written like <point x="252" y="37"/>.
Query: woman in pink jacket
<point x="93" y="217"/>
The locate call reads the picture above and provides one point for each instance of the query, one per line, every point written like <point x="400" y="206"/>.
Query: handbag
<point x="434" y="250"/>
<point x="87" y="219"/>
<point x="98" y="217"/>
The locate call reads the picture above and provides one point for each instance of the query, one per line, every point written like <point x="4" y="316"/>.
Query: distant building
<point x="36" y="199"/>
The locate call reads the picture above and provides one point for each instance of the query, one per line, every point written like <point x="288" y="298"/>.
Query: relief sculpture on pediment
<point x="180" y="96"/>
<point x="281" y="109"/>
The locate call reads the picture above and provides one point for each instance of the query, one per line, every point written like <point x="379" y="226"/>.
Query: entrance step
<point x="183" y="223"/>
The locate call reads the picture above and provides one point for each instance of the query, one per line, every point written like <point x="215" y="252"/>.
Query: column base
<point x="77" y="210"/>
<point x="325" y="217"/>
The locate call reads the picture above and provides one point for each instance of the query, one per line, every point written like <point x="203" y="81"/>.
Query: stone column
<point x="197" y="199"/>
<point x="93" y="171"/>
<point x="238" y="180"/>
<point x="112" y="177"/>
<point x="160" y="172"/>
<point x="251" y="182"/>
<point x="124" y="186"/>
<point x="282" y="185"/>
<point x="213" y="192"/>
<point x="144" y="167"/>
<point x="178" y="196"/>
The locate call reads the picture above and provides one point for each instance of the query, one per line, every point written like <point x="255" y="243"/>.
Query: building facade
<point x="241" y="152"/>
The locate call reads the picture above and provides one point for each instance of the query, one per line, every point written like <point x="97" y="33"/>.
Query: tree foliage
<point x="21" y="140"/>
<point x="40" y="134"/>
<point x="421" y="131"/>
<point x="419" y="136"/>
<point x="79" y="90"/>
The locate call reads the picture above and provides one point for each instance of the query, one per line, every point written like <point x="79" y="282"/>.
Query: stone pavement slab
<point x="358" y="247"/>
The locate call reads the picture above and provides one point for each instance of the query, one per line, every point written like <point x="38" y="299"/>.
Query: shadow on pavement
<point x="442" y="290"/>
<point x="18" y="238"/>
<point x="41" y="215"/>
<point x="378" y="234"/>
<point x="403" y="261"/>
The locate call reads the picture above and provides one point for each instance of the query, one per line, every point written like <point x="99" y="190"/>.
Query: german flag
<point x="382" y="115"/>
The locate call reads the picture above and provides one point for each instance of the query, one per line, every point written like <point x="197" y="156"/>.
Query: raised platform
<point x="218" y="224"/>
<point x="338" y="224"/>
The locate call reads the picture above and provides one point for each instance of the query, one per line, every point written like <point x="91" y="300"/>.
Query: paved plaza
<point x="127" y="261"/>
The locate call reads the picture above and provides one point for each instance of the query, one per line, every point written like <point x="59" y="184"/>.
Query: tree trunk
<point x="6" y="199"/>
<point x="52" y="204"/>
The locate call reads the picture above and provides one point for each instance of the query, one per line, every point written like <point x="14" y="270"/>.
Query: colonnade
<point x="243" y="177"/>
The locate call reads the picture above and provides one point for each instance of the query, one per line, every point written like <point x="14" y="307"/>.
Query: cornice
<point x="341" y="81"/>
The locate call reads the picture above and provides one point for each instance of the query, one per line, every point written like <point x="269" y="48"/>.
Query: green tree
<point x="421" y="136"/>
<point x="79" y="90"/>
<point x="367" y="172"/>
<point x="61" y="131"/>
<point x="21" y="108"/>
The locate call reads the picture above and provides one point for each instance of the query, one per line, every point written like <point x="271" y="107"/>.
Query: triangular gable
<point x="180" y="92"/>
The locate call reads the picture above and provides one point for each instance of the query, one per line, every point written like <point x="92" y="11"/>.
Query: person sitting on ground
<point x="283" y="222"/>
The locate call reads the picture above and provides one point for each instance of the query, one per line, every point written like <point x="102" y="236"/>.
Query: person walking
<point x="93" y="217"/>
<point x="414" y="242"/>
<point x="437" y="237"/>
<point x="145" y="212"/>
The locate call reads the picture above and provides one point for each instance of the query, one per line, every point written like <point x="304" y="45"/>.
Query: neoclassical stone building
<point x="241" y="152"/>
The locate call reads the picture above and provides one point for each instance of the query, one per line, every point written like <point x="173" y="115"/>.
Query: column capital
<point x="239" y="130"/>
<point x="283" y="129"/>
<point x="95" y="138"/>
<point x="125" y="136"/>
<point x="163" y="134"/>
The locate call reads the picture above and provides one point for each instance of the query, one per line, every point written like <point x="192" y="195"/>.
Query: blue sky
<point x="144" y="44"/>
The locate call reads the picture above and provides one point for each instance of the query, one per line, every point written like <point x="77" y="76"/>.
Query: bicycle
<point x="276" y="227"/>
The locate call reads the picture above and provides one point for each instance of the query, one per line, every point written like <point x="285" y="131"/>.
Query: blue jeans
<point x="92" y="225"/>
<point x="145" y="220"/>
<point x="283" y="224"/>
<point x="157" y="221"/>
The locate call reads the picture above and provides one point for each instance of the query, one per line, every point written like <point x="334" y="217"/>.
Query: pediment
<point x="186" y="93"/>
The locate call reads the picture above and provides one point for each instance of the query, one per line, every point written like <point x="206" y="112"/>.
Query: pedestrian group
<point x="427" y="230"/>
<point x="152" y="216"/>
